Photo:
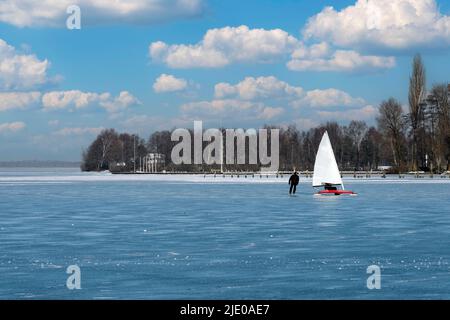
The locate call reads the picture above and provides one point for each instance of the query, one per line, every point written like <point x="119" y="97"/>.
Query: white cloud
<point x="120" y="103"/>
<point x="254" y="88"/>
<point x="365" y="113"/>
<point x="30" y="13"/>
<point x="11" y="127"/>
<point x="18" y="100"/>
<point x="221" y="47"/>
<point x="77" y="99"/>
<point x="169" y="83"/>
<point x="78" y="131"/>
<point x="270" y="113"/>
<point x="327" y="98"/>
<point x="21" y="71"/>
<point x="341" y="60"/>
<point x="385" y="24"/>
<point x="73" y="98"/>
<point x="318" y="50"/>
<point x="230" y="109"/>
<point x="248" y="101"/>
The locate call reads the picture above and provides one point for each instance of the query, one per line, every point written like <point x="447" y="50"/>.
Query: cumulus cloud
<point x="169" y="83"/>
<point x="315" y="51"/>
<point x="11" y="127"/>
<point x="119" y="103"/>
<point x="270" y="113"/>
<point x="18" y="100"/>
<point x="382" y="24"/>
<point x="230" y="108"/>
<point x="75" y="99"/>
<point x="250" y="99"/>
<point x="264" y="99"/>
<point x="341" y="60"/>
<point x="21" y="71"/>
<point x="78" y="131"/>
<point x="244" y="100"/>
<point x="30" y="13"/>
<point x="221" y="47"/>
<point x="327" y="98"/>
<point x="253" y="88"/>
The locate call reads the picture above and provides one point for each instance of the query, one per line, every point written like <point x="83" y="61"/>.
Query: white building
<point x="152" y="163"/>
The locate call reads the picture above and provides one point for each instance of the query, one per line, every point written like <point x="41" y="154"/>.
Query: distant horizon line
<point x="39" y="163"/>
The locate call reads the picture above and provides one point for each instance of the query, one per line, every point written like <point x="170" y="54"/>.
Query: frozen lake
<point x="190" y="237"/>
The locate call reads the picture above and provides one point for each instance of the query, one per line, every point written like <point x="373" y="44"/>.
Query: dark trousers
<point x="293" y="189"/>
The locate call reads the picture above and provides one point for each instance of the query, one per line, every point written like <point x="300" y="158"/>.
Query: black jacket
<point x="294" y="179"/>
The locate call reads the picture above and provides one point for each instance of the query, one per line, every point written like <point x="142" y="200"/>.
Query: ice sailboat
<point x="326" y="171"/>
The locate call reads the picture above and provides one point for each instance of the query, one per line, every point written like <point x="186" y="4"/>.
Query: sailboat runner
<point x="326" y="171"/>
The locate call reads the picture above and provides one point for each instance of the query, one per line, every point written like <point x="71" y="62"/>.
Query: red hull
<point x="336" y="192"/>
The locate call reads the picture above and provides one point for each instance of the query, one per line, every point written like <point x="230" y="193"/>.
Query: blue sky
<point x="141" y="69"/>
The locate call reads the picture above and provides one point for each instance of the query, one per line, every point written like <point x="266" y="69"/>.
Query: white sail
<point x="325" y="168"/>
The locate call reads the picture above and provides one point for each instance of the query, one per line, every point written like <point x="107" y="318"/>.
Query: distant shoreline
<point x="39" y="164"/>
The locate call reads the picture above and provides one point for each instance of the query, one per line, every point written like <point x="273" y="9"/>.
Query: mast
<point x="134" y="153"/>
<point x="221" y="154"/>
<point x="221" y="148"/>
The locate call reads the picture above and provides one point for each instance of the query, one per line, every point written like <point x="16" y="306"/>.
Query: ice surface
<point x="70" y="176"/>
<point x="191" y="237"/>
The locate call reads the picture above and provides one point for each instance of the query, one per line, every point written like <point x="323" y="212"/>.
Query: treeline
<point x="405" y="140"/>
<point x="357" y="147"/>
<point x="418" y="139"/>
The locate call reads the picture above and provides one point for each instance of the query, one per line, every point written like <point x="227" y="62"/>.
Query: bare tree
<point x="290" y="144"/>
<point x="371" y="149"/>
<point x="415" y="97"/>
<point x="356" y="131"/>
<point x="105" y="149"/>
<point x="109" y="142"/>
<point x="391" y="125"/>
<point x="439" y="109"/>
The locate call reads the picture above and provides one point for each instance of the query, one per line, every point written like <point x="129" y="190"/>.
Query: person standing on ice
<point x="293" y="182"/>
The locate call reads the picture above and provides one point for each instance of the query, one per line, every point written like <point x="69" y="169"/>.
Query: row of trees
<point x="417" y="139"/>
<point x="357" y="147"/>
<point x="113" y="150"/>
